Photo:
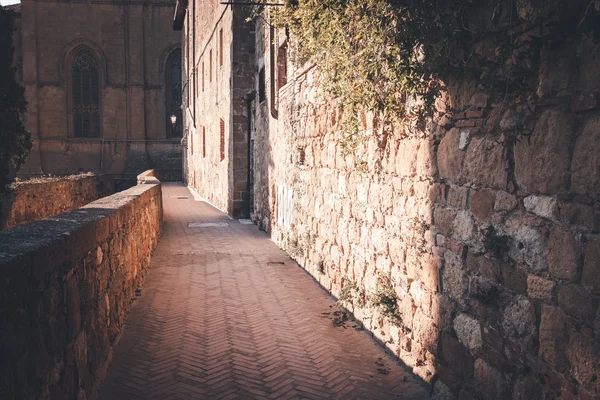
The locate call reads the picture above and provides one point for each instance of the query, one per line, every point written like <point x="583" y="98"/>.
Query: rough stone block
<point x="519" y="321"/>
<point x="505" y="201"/>
<point x="489" y="380"/>
<point x="514" y="278"/>
<point x="579" y="214"/>
<point x="479" y="100"/>
<point x="463" y="226"/>
<point x="577" y="303"/>
<point x="457" y="196"/>
<point x="442" y="392"/>
<point x="591" y="265"/>
<point x="468" y="331"/>
<point x="584" y="102"/>
<point x="542" y="160"/>
<point x="454" y="278"/>
<point x="597" y="325"/>
<point x="481" y="204"/>
<point x="443" y="221"/>
<point x="478" y="264"/>
<point x="450" y="157"/>
<point x="529" y="248"/>
<point x="492" y="338"/>
<point x="425" y="332"/>
<point x="541" y="205"/>
<point x="528" y="388"/>
<point x="73" y="307"/>
<point x="540" y="289"/>
<point x="485" y="163"/>
<point x="554" y="337"/>
<point x="583" y="354"/>
<point x="457" y="357"/>
<point x="564" y="255"/>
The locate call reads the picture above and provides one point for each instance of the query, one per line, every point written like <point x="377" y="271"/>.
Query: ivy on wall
<point x="377" y="54"/>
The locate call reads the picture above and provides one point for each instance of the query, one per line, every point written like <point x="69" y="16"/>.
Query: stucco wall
<point x="66" y="284"/>
<point x="41" y="198"/>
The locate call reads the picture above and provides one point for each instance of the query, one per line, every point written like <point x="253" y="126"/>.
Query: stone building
<point x="487" y="242"/>
<point x="102" y="80"/>
<point x="219" y="75"/>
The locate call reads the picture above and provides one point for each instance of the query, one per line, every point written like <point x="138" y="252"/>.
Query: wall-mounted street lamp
<point x="173" y="119"/>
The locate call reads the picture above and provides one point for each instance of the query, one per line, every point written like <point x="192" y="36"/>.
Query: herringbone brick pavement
<point x="221" y="318"/>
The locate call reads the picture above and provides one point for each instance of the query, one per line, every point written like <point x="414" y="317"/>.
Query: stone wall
<point x="132" y="42"/>
<point x="66" y="284"/>
<point x="219" y="71"/>
<point x="45" y="197"/>
<point x="470" y="249"/>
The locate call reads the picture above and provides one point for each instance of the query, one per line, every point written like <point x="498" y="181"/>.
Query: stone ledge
<point x="70" y="279"/>
<point x="44" y="197"/>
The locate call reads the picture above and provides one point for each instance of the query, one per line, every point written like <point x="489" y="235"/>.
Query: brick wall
<point x="41" y="198"/>
<point x="489" y="238"/>
<point x="66" y="284"/>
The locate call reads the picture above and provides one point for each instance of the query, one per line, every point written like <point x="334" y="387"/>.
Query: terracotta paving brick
<point x="216" y="320"/>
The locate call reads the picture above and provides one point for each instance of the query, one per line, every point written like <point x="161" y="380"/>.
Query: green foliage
<point x="351" y="293"/>
<point x="385" y="301"/>
<point x="321" y="267"/>
<point x="15" y="140"/>
<point x="395" y="57"/>
<point x="377" y="54"/>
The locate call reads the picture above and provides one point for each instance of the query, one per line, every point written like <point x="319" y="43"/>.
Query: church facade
<point x="103" y="82"/>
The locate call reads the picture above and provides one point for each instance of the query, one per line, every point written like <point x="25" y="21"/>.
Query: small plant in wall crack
<point x="385" y="301"/>
<point x="351" y="293"/>
<point x="495" y="243"/>
<point x="294" y="248"/>
<point x="321" y="267"/>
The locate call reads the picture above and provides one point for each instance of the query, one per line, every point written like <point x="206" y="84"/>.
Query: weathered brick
<point x="540" y="289"/>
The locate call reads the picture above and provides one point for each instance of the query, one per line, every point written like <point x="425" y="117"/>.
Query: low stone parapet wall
<point x="44" y="197"/>
<point x="66" y="284"/>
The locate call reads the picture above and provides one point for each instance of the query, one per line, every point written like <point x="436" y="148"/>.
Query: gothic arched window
<point x="85" y="94"/>
<point x="174" y="95"/>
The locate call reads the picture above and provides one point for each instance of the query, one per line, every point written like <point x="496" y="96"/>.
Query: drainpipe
<point x="101" y="155"/>
<point x="249" y="99"/>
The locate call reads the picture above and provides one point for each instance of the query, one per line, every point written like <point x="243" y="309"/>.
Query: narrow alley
<point x="225" y="314"/>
